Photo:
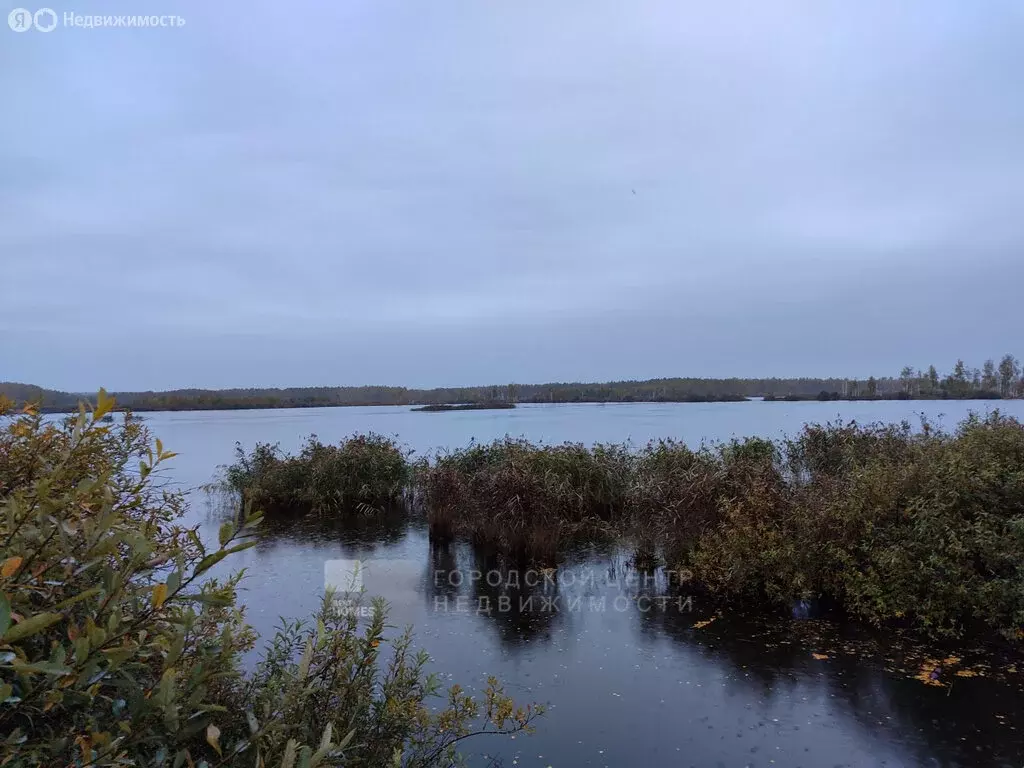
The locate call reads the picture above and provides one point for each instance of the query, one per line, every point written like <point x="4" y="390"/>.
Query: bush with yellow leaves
<point x="118" y="649"/>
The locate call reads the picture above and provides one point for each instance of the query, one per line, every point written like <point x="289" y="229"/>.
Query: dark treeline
<point x="655" y="390"/>
<point x="992" y="380"/>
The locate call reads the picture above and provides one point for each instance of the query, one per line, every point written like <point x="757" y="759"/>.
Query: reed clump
<point x="527" y="500"/>
<point x="363" y="473"/>
<point x="677" y="494"/>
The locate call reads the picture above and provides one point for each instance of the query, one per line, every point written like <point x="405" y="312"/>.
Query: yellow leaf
<point x="104" y="404"/>
<point x="10" y="565"/>
<point x="929" y="673"/>
<point x="212" y="736"/>
<point x="85" y="743"/>
<point x="820" y="656"/>
<point x="30" y="626"/>
<point x="159" y="595"/>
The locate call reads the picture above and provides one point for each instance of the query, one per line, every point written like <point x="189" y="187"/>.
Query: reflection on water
<point x="649" y="678"/>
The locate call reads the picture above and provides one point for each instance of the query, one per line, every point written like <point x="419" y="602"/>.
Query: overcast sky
<point x="432" y="193"/>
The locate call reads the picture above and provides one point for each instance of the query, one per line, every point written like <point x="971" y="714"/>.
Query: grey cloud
<point x="461" y="192"/>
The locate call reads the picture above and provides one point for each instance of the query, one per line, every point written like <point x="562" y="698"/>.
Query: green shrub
<point x="925" y="527"/>
<point x="117" y="649"/>
<point x="943" y="540"/>
<point x="325" y="676"/>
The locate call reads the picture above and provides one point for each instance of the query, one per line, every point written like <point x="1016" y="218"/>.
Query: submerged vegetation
<point x="895" y="525"/>
<point x="118" y="646"/>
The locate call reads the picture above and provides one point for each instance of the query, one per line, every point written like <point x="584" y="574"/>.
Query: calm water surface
<point x="638" y="683"/>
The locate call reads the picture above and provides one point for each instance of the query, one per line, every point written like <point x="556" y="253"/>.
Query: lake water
<point x="645" y="681"/>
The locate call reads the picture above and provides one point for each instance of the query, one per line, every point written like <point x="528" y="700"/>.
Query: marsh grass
<point x="362" y="475"/>
<point x="526" y="500"/>
<point x="893" y="524"/>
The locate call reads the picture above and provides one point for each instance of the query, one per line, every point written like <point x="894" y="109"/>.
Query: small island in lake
<point x="465" y="407"/>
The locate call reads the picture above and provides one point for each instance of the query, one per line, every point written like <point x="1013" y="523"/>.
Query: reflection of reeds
<point x="645" y="557"/>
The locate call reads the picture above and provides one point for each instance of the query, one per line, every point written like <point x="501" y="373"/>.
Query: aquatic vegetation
<point x="677" y="494"/>
<point x="922" y="528"/>
<point x="444" y="407"/>
<point x="926" y="527"/>
<point x="118" y="647"/>
<point x="526" y="500"/>
<point x="364" y="473"/>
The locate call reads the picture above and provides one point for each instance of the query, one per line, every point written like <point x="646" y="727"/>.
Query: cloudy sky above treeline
<point x="465" y="192"/>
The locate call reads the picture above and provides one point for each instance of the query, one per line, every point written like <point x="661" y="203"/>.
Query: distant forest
<point x="993" y="380"/>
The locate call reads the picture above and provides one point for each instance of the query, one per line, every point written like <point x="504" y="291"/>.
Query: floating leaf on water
<point x="929" y="673"/>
